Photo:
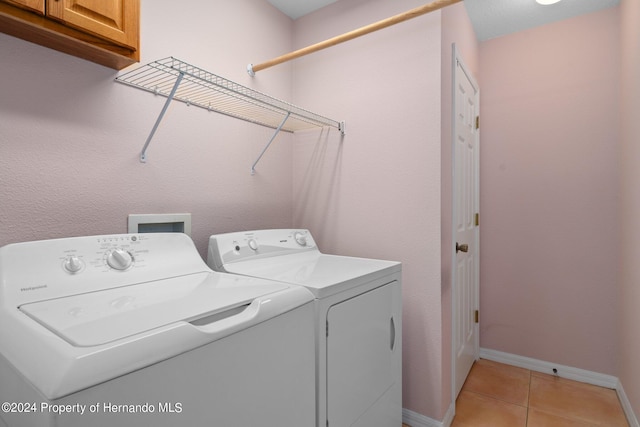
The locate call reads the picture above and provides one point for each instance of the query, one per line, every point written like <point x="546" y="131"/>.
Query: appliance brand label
<point x="33" y="288"/>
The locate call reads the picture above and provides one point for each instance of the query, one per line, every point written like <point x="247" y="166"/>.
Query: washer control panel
<point x="245" y="245"/>
<point x="55" y="268"/>
<point x="104" y="253"/>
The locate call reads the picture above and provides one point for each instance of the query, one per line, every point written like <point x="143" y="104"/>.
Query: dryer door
<point x="364" y="359"/>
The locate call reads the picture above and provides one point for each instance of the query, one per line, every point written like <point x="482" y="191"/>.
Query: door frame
<point x="457" y="59"/>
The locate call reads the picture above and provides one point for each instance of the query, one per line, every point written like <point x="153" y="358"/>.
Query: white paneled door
<point x="465" y="222"/>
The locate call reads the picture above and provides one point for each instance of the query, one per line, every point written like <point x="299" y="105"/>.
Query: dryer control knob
<point x="253" y="244"/>
<point x="73" y="264"/>
<point x="119" y="259"/>
<point x="301" y="239"/>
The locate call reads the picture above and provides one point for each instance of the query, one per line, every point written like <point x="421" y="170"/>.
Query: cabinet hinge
<point x="477" y="219"/>
<point x="477" y="122"/>
<point x="477" y="316"/>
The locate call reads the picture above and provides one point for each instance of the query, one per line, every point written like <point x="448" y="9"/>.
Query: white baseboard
<point x="568" y="372"/>
<point x="418" y="420"/>
<point x="448" y="417"/>
<point x="626" y="405"/>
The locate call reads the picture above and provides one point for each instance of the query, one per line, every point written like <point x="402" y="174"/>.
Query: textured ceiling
<point x="495" y="18"/>
<point x="297" y="8"/>
<point x="490" y="18"/>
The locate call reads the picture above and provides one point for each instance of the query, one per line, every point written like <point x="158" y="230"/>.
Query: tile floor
<point x="497" y="395"/>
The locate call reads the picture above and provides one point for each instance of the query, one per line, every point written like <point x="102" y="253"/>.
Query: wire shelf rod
<point x="180" y="81"/>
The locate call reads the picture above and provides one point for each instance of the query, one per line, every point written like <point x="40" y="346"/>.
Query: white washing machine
<point x="136" y="330"/>
<point x="358" y="324"/>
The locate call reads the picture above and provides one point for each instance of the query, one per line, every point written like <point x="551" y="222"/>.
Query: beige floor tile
<point x="538" y="418"/>
<point x="502" y="382"/>
<point x="576" y="401"/>
<point x="475" y="410"/>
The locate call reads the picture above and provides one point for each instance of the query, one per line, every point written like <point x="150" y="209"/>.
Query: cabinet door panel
<point x="115" y="20"/>
<point x="32" y="5"/>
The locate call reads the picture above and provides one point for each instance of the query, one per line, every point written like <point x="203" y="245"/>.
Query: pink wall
<point x="70" y="137"/>
<point x="629" y="314"/>
<point x="380" y="192"/>
<point x="549" y="175"/>
<point x="377" y="192"/>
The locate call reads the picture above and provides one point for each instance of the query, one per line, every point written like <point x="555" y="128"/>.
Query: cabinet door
<point x="32" y="5"/>
<point x="115" y="20"/>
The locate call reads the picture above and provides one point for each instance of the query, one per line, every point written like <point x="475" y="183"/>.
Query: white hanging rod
<point x="413" y="13"/>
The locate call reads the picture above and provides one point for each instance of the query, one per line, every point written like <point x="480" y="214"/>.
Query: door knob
<point x="462" y="248"/>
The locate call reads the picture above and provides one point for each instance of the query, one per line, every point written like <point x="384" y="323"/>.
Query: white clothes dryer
<point x="358" y="319"/>
<point x="135" y="330"/>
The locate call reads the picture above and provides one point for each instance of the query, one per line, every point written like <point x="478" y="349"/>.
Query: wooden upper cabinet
<point x="114" y="20"/>
<point x="103" y="31"/>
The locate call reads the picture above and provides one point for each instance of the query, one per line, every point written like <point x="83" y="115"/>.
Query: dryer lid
<point x="322" y="274"/>
<point x="101" y="317"/>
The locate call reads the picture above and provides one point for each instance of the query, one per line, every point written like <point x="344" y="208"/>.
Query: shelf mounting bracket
<point x="143" y="154"/>
<point x="253" y="167"/>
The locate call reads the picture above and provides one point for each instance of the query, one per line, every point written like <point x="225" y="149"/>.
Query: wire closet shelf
<point x="178" y="80"/>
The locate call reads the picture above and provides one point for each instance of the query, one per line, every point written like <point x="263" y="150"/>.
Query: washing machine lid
<point x="68" y="344"/>
<point x="322" y="274"/>
<point x="102" y="317"/>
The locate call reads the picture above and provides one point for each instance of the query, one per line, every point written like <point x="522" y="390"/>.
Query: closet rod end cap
<point x="250" y="70"/>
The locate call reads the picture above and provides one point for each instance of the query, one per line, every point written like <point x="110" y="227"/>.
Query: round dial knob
<point x="301" y="238"/>
<point x="253" y="244"/>
<point x="73" y="264"/>
<point x="119" y="259"/>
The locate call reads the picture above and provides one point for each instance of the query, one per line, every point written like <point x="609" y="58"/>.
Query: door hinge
<point x="477" y="316"/>
<point x="477" y="219"/>
<point x="477" y="122"/>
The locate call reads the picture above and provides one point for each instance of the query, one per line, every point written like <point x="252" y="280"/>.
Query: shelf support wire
<point x="264" y="150"/>
<point x="143" y="154"/>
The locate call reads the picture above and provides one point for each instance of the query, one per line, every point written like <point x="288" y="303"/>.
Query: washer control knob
<point x="301" y="238"/>
<point x="253" y="244"/>
<point x="119" y="259"/>
<point x="73" y="264"/>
